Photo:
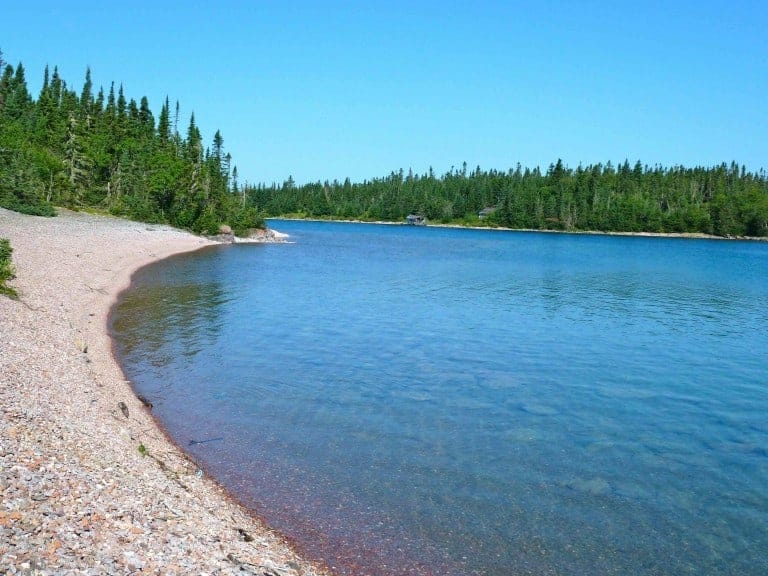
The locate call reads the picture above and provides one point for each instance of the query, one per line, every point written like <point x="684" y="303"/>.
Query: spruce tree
<point x="163" y="123"/>
<point x="86" y="97"/>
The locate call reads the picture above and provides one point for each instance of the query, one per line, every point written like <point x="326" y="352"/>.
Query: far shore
<point x="689" y="235"/>
<point x="90" y="483"/>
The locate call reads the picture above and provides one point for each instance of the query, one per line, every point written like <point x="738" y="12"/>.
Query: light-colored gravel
<point x="78" y="496"/>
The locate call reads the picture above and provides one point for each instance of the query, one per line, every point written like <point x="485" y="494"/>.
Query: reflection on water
<point x="167" y="321"/>
<point x="424" y="401"/>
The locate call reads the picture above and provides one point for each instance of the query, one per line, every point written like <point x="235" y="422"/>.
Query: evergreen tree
<point x="163" y="123"/>
<point x="86" y="97"/>
<point x="218" y="145"/>
<point x="146" y="120"/>
<point x="121" y="104"/>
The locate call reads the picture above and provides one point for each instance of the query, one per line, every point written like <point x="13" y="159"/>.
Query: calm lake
<point x="411" y="401"/>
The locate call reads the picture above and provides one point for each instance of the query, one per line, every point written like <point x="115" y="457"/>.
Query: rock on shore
<point x="90" y="485"/>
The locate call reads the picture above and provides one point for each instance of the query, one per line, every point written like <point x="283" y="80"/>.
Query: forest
<point x="724" y="200"/>
<point x="91" y="150"/>
<point x="107" y="152"/>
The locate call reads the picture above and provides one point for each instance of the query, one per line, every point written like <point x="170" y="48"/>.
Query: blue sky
<point x="328" y="90"/>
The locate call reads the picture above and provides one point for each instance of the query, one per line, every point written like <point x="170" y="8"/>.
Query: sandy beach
<point x="90" y="484"/>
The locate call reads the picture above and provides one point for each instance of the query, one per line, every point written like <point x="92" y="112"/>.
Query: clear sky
<point x="328" y="90"/>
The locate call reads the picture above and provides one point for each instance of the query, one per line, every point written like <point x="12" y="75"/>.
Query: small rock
<point x="144" y="401"/>
<point x="246" y="537"/>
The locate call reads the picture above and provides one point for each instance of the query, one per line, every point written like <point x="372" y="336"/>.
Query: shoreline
<point x="89" y="479"/>
<point x="683" y="235"/>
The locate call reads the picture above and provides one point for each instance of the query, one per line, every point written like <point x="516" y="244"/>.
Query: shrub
<point x="6" y="268"/>
<point x="25" y="207"/>
<point x="207" y="222"/>
<point x="246" y="219"/>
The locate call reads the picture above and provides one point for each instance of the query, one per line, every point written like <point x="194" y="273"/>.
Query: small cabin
<point x="485" y="212"/>
<point x="415" y="220"/>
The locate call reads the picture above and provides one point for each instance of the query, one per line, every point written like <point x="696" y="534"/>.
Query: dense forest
<point x="725" y="200"/>
<point x="107" y="152"/>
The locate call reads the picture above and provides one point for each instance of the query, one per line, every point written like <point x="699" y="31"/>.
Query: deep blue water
<point x="405" y="400"/>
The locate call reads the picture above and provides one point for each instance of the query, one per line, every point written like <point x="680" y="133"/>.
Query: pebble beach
<point x="90" y="484"/>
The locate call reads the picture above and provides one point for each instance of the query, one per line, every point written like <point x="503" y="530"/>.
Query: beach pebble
<point x="77" y="496"/>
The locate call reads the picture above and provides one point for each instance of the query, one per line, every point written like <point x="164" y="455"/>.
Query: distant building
<point x="415" y="220"/>
<point x="485" y="212"/>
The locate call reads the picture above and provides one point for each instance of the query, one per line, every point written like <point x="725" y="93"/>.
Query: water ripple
<point x="450" y="402"/>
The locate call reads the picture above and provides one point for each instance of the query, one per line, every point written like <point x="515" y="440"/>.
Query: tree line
<point x="725" y="200"/>
<point x="107" y="151"/>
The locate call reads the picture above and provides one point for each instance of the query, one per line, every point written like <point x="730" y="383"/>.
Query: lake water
<point x="412" y="401"/>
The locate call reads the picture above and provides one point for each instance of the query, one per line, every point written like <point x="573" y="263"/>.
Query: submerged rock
<point x="594" y="486"/>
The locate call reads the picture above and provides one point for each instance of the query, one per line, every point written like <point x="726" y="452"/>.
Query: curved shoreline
<point x="89" y="480"/>
<point x="683" y="235"/>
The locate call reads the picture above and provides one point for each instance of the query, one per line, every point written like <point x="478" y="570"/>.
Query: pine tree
<point x="57" y="87"/>
<point x="46" y="83"/>
<point x="111" y="109"/>
<point x="145" y="116"/>
<point x="218" y="145"/>
<point x="194" y="142"/>
<point x="17" y="98"/>
<point x="163" y="123"/>
<point x="121" y="104"/>
<point x="86" y="97"/>
<point x="98" y="105"/>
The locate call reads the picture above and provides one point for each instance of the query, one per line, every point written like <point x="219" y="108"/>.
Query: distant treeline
<point x="725" y="200"/>
<point x="108" y="152"/>
<point x="91" y="150"/>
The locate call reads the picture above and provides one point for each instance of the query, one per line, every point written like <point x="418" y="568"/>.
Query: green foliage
<point x="77" y="151"/>
<point x="33" y="208"/>
<point x="6" y="268"/>
<point x="723" y="200"/>
<point x="246" y="219"/>
<point x="207" y="222"/>
<point x="143" y="449"/>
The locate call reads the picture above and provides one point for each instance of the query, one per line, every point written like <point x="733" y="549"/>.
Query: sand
<point x="90" y="484"/>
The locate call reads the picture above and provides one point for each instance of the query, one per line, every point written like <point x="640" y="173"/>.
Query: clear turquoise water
<point x="406" y="400"/>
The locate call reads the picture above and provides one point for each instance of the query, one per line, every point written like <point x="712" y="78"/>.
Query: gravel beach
<point x="90" y="484"/>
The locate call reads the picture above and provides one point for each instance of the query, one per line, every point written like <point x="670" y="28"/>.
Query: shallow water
<point x="406" y="400"/>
